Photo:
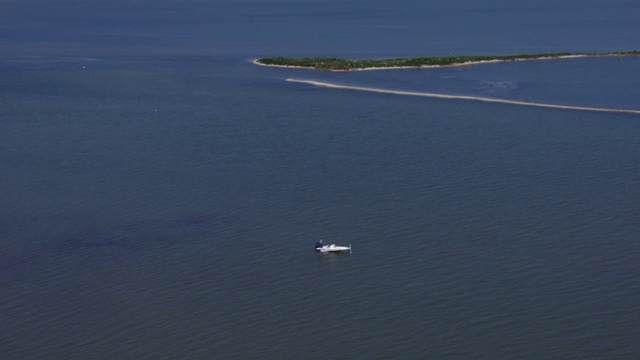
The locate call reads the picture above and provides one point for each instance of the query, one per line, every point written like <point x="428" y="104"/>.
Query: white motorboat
<point x="333" y="248"/>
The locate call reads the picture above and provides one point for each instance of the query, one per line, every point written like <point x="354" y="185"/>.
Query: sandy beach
<point x="461" y="97"/>
<point x="467" y="63"/>
<point x="256" y="62"/>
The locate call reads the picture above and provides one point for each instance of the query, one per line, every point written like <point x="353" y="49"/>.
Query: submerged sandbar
<point x="463" y="97"/>
<point x="336" y="64"/>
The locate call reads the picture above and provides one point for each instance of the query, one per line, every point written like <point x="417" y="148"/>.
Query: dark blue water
<point x="161" y="195"/>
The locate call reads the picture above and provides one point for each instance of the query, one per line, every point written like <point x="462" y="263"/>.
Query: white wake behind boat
<point x="333" y="248"/>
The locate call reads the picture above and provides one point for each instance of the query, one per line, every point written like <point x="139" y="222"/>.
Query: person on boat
<point x="319" y="244"/>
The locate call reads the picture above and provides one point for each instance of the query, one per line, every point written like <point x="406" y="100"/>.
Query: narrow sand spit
<point x="256" y="62"/>
<point x="461" y="97"/>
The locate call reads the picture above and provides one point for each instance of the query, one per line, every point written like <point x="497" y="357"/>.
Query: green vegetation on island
<point x="335" y="64"/>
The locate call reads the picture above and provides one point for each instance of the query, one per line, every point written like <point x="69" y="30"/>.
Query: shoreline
<point x="465" y="63"/>
<point x="461" y="97"/>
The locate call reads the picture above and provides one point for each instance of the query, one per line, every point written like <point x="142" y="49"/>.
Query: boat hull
<point x="334" y="249"/>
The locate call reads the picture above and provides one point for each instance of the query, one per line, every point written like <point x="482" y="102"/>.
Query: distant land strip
<point x="462" y="97"/>
<point x="336" y="64"/>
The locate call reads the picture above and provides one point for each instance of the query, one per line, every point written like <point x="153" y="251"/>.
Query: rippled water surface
<point x="161" y="194"/>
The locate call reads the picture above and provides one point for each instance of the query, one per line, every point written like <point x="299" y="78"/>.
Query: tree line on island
<point x="336" y="64"/>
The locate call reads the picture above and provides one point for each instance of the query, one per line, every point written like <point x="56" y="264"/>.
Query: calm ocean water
<point x="161" y="194"/>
